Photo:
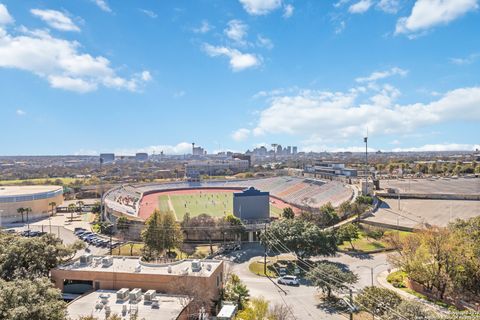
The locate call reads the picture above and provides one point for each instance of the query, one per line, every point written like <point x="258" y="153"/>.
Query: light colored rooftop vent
<point x="169" y="269"/>
<point x="196" y="266"/>
<point x="138" y="268"/>
<point x="107" y="262"/>
<point x="150" y="295"/>
<point x="209" y="267"/>
<point x="123" y="294"/>
<point x="135" y="294"/>
<point x="86" y="259"/>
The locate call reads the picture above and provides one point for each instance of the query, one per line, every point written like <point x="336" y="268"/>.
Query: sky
<point x="91" y="76"/>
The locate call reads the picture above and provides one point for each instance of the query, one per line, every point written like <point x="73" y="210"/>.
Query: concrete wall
<point x="435" y="196"/>
<point x="40" y="209"/>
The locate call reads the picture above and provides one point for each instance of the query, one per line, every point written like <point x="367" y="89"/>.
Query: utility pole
<point x="351" y="303"/>
<point x="265" y="254"/>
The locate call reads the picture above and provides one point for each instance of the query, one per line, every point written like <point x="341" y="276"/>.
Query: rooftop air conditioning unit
<point x="135" y="294"/>
<point x="196" y="266"/>
<point x="123" y="294"/>
<point x="209" y="267"/>
<point x="150" y="295"/>
<point x="86" y="259"/>
<point x="107" y="262"/>
<point x="169" y="269"/>
<point x="138" y="268"/>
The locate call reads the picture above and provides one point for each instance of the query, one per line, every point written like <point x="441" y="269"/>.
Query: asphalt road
<point x="303" y="300"/>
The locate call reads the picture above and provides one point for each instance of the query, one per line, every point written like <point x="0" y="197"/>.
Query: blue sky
<point x="90" y="76"/>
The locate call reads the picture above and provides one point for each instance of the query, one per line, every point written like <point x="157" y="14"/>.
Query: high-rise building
<point x="107" y="157"/>
<point x="294" y="150"/>
<point x="141" y="156"/>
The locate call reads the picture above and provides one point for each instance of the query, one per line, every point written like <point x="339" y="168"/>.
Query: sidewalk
<point x="382" y="280"/>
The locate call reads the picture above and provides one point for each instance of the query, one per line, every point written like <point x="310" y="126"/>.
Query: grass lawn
<point x="39" y="181"/>
<point x="215" y="204"/>
<point x="273" y="265"/>
<point x="364" y="243"/>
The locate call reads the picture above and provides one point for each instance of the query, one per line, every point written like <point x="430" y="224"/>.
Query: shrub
<point x="397" y="279"/>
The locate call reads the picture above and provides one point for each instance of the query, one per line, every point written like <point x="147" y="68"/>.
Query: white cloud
<point x="324" y="117"/>
<point x="389" y="6"/>
<point x="149" y="13"/>
<point x="20" y="112"/>
<point x="203" y="28"/>
<point x="288" y="11"/>
<point x="237" y="31"/>
<point x="430" y="13"/>
<point x="238" y="60"/>
<point x="260" y="7"/>
<point x="264" y="42"/>
<point x="61" y="63"/>
<point x="471" y="58"/>
<point x="5" y="17"/>
<point x="360" y="6"/>
<point x="241" y="134"/>
<point x="340" y="3"/>
<point x="102" y="4"/>
<point x="377" y="75"/>
<point x="179" y="94"/>
<point x="56" y="19"/>
<point x="341" y="26"/>
<point x="440" y="147"/>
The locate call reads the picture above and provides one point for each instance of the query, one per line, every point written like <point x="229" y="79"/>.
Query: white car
<point x="289" y="280"/>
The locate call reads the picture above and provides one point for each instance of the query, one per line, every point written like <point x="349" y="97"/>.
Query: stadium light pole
<point x="366" y="164"/>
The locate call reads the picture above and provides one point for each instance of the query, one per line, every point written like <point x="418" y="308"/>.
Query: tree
<point x="80" y="205"/>
<point x="288" y="213"/>
<point x="411" y="310"/>
<point x="236" y="291"/>
<point x="303" y="238"/>
<point x="205" y="226"/>
<point x="53" y="204"/>
<point x="348" y="232"/>
<point x="161" y="233"/>
<point x="29" y="258"/>
<point x="152" y="237"/>
<point x="257" y="309"/>
<point x="331" y="277"/>
<point x="21" y="211"/>
<point x="379" y="301"/>
<point x="344" y="209"/>
<point x="232" y="225"/>
<point x="31" y="299"/>
<point x="123" y="225"/>
<point x="185" y="222"/>
<point x="72" y="208"/>
<point x="27" y="211"/>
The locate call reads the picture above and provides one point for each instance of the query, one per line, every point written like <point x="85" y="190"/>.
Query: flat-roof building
<point x="127" y="303"/>
<point x="113" y="273"/>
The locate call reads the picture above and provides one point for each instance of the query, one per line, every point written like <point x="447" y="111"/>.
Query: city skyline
<point x="89" y="77"/>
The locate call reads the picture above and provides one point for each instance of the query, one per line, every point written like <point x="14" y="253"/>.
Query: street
<point x="303" y="300"/>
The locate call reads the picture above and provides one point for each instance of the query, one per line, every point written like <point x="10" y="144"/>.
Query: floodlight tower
<point x="366" y="163"/>
<point x="274" y="146"/>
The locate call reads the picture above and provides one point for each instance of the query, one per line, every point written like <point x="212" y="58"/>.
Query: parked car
<point x="289" y="280"/>
<point x="282" y="272"/>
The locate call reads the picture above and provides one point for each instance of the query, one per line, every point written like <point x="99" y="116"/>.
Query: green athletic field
<point x="212" y="203"/>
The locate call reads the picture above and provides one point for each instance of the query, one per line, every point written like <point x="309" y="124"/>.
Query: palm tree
<point x="80" y="205"/>
<point x="28" y="210"/>
<point x="21" y="211"/>
<point x="53" y="204"/>
<point x="71" y="209"/>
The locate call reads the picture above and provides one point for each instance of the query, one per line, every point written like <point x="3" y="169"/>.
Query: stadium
<point x="137" y="202"/>
<point x="37" y="198"/>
